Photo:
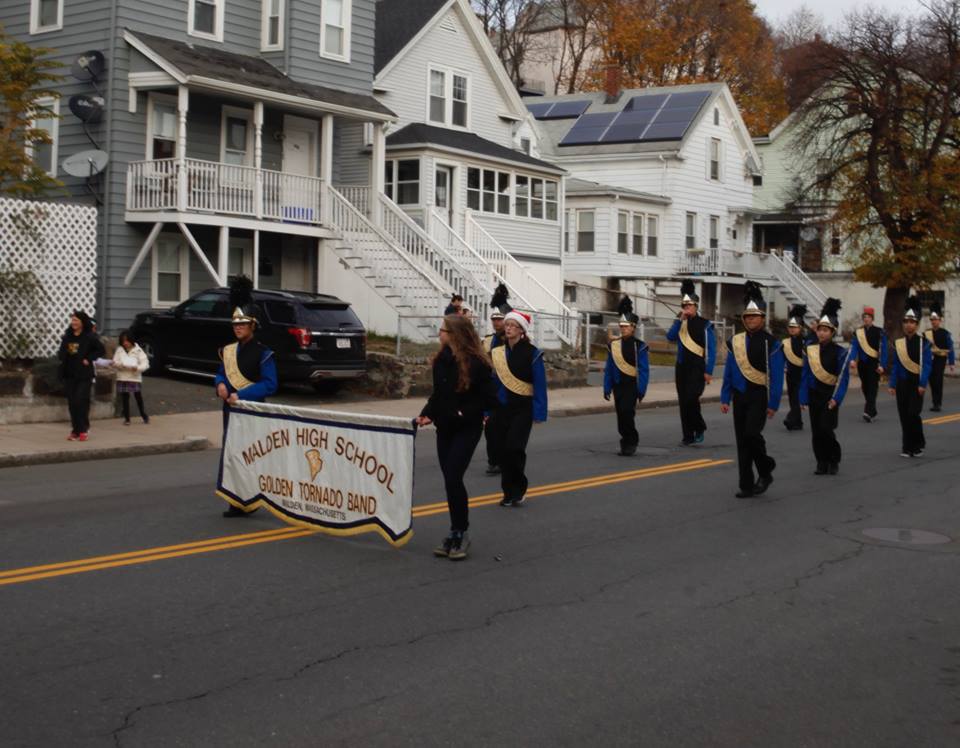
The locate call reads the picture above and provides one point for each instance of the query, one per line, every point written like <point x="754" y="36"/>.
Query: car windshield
<point x="327" y="316"/>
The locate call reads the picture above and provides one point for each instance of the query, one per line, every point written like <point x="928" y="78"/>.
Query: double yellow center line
<point x="228" y="542"/>
<point x="942" y="419"/>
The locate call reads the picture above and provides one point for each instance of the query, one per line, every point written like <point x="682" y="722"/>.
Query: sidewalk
<point x="38" y="443"/>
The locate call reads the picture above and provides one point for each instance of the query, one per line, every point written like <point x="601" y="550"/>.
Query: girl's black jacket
<point x="449" y="409"/>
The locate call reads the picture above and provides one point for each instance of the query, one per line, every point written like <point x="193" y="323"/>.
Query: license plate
<point x="343" y="342"/>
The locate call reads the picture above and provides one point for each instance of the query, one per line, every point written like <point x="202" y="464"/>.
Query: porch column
<point x="183" y="106"/>
<point x="326" y="163"/>
<point x="255" y="271"/>
<point x="378" y="157"/>
<point x="223" y="254"/>
<point x="258" y="157"/>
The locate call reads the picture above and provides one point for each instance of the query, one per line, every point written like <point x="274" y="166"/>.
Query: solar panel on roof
<point x="618" y="133"/>
<point x="588" y="129"/>
<point x="668" y="131"/>
<point x="688" y="98"/>
<point x="680" y="114"/>
<point x="648" y="101"/>
<point x="538" y="110"/>
<point x="566" y="110"/>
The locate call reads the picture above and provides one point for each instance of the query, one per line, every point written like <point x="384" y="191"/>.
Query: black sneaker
<point x="628" y="451"/>
<point x="762" y="484"/>
<point x="519" y="502"/>
<point x="493" y="469"/>
<point x="745" y="494"/>
<point x="687" y="442"/>
<point x="443" y="550"/>
<point x="833" y="468"/>
<point x="821" y="469"/>
<point x="935" y="409"/>
<point x="460" y="542"/>
<point x="506" y="502"/>
<point x="867" y="418"/>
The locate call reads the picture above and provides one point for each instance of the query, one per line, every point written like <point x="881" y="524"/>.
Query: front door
<point x="443" y="188"/>
<point x="299" y="196"/>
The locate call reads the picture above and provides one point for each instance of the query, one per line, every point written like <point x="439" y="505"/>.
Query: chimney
<point x="612" y="83"/>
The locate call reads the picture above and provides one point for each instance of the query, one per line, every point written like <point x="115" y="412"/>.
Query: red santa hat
<point x="869" y="310"/>
<point x="521" y="318"/>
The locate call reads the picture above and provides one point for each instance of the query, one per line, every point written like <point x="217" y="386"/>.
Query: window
<point x="691" y="230"/>
<point x="522" y="196"/>
<point x="170" y="269"/>
<point x="714" y="159"/>
<point x="335" y="29"/>
<point x="206" y="19"/>
<point x="488" y="191"/>
<point x="638" y="233"/>
<point x="203" y="305"/>
<point x="550" y="200"/>
<point x="402" y="180"/>
<point x="47" y="119"/>
<point x="714" y="232"/>
<point x="162" y="127"/>
<point x="835" y="242"/>
<point x="623" y="237"/>
<point x="236" y="137"/>
<point x="271" y="29"/>
<point x="716" y="116"/>
<point x="448" y="98"/>
<point x="652" y="236"/>
<point x="525" y="145"/>
<point x="585" y="236"/>
<point x="569" y="293"/>
<point x="46" y="15"/>
<point x="758" y="180"/>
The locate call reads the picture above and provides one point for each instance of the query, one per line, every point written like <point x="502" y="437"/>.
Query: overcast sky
<point x="832" y="11"/>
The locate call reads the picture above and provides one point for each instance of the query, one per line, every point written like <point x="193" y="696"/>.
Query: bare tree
<point x="801" y="26"/>
<point x="510" y="24"/>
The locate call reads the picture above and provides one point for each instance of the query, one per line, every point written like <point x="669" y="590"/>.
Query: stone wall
<point x="36" y="396"/>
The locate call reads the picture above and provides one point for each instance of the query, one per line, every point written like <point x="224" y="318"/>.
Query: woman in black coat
<point x="79" y="348"/>
<point x="462" y="391"/>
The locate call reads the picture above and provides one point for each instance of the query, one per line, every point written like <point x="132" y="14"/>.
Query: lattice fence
<point x="48" y="267"/>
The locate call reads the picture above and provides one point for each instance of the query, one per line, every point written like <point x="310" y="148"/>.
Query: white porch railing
<point x="359" y="197"/>
<point x="194" y="185"/>
<point x="699" y="261"/>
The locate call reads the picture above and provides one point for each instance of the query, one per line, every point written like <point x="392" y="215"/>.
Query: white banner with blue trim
<point x="340" y="473"/>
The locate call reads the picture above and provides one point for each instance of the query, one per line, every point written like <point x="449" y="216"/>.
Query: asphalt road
<point x="651" y="611"/>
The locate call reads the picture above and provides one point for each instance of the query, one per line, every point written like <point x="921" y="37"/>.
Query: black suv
<point x="314" y="337"/>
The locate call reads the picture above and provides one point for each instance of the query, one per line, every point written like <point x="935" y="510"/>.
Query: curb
<point x="187" y="444"/>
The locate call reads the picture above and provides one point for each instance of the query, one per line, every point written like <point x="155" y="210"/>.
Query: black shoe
<point x="519" y="502"/>
<point x="867" y="418"/>
<point x="834" y="468"/>
<point x="821" y="469"/>
<point x="506" y="502"/>
<point x="793" y="426"/>
<point x="687" y="442"/>
<point x="460" y="542"/>
<point x="233" y="511"/>
<point x="628" y="451"/>
<point x="146" y="419"/>
<point x="698" y="438"/>
<point x="443" y="550"/>
<point x="935" y="409"/>
<point x="917" y="452"/>
<point x="493" y="469"/>
<point x="745" y="494"/>
<point x="762" y="484"/>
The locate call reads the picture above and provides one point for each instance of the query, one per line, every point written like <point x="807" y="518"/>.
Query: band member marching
<point x="696" y="354"/>
<point x="626" y="375"/>
<point x="941" y="344"/>
<point x="868" y="356"/>
<point x="521" y="380"/>
<point x="826" y="374"/>
<point x="498" y="308"/>
<point x="753" y="381"/>
<point x="247" y="368"/>
<point x="909" y="374"/>
<point x="793" y="347"/>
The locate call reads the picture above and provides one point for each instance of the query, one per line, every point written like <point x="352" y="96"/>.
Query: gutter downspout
<point x="106" y="213"/>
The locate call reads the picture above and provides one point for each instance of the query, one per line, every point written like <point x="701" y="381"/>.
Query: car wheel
<point x="154" y="355"/>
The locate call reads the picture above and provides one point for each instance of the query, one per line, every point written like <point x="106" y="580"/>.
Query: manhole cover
<point x="906" y="535"/>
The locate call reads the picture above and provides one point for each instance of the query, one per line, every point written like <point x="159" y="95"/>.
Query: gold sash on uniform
<point x="904" y="356"/>
<point x="865" y="344"/>
<point x="236" y="379"/>
<point x="617" y="352"/>
<point x="746" y="368"/>
<point x="515" y="385"/>
<point x="488" y="344"/>
<point x="689" y="343"/>
<point x="792" y="357"/>
<point x="816" y="366"/>
<point x="933" y="345"/>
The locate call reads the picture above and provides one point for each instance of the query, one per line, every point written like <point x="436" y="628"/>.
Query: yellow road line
<point x="228" y="542"/>
<point x="942" y="419"/>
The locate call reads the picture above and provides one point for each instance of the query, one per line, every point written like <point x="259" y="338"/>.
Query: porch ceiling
<point x="216" y="69"/>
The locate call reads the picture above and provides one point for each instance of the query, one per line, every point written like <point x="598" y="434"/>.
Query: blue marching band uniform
<point x="909" y="376"/>
<point x="696" y="342"/>
<point x="941" y="345"/>
<point x="626" y="375"/>
<point x="868" y="353"/>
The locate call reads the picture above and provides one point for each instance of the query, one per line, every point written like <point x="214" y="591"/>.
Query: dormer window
<point x="449" y="98"/>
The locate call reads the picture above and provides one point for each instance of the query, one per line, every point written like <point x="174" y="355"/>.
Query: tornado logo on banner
<point x="340" y="473"/>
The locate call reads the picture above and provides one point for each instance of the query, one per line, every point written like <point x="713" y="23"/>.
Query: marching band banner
<point x="340" y="473"/>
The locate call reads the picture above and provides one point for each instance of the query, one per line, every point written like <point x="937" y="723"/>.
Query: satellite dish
<point x="808" y="233"/>
<point x="85" y="163"/>
<point x="89" y="66"/>
<point x="88" y="109"/>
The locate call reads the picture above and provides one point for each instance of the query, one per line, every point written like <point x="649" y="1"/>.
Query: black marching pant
<point x="910" y="408"/>
<point x="511" y="432"/>
<point x="869" y="383"/>
<point x="794" y="418"/>
<point x="690" y="384"/>
<point x="455" y="449"/>
<point x="125" y="405"/>
<point x="936" y="379"/>
<point x="625" y="400"/>
<point x="749" y="418"/>
<point x="823" y="424"/>
<point x="489" y="436"/>
<point x="78" y="402"/>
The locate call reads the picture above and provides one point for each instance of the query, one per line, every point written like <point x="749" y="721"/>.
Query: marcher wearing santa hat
<point x="521" y="380"/>
<point x="868" y="357"/>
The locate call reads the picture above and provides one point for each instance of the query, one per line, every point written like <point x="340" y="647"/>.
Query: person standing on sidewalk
<point x="462" y="392"/>
<point x="626" y="374"/>
<point x="753" y="380"/>
<point x="868" y="358"/>
<point x="826" y="375"/>
<point x="521" y="380"/>
<point x="696" y="354"/>
<point x="79" y="348"/>
<point x="247" y="370"/>
<point x="499" y="307"/>
<point x="909" y="374"/>
<point x="941" y="344"/>
<point x="793" y="348"/>
<point x="129" y="361"/>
